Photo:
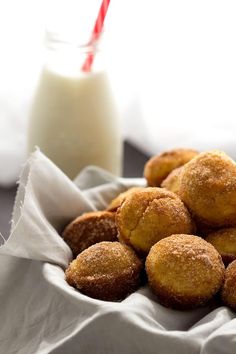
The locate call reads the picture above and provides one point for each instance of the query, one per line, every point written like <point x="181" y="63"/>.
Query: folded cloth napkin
<point x="41" y="313"/>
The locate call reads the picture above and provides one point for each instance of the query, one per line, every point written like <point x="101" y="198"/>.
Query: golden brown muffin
<point x="90" y="228"/>
<point x="171" y="182"/>
<point x="159" y="166"/>
<point x="224" y="241"/>
<point x="116" y="203"/>
<point x="106" y="271"/>
<point x="184" y="271"/>
<point x="208" y="188"/>
<point x="228" y="292"/>
<point x="149" y="215"/>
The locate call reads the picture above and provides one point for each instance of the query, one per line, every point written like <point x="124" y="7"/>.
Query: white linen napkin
<point x="41" y="313"/>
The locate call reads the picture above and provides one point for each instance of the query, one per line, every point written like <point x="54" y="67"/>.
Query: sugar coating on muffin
<point x="228" y="292"/>
<point x="224" y="240"/>
<point x="149" y="215"/>
<point x="208" y="188"/>
<point x="184" y="271"/>
<point x="159" y="166"/>
<point x="90" y="228"/>
<point x="171" y="182"/>
<point x="106" y="271"/>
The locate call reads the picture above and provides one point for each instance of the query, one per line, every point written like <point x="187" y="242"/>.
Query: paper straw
<point x="96" y="33"/>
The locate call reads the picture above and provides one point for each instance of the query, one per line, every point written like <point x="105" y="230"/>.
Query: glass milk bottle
<point x="74" y="118"/>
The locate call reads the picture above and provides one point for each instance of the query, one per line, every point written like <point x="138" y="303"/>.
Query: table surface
<point x="134" y="161"/>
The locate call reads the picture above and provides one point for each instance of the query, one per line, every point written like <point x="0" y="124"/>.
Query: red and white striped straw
<point x="96" y="33"/>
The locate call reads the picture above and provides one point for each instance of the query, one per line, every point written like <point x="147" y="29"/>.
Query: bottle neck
<point x="67" y="57"/>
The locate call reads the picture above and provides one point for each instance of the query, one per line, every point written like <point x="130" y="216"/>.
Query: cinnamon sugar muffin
<point x="106" y="271"/>
<point x="224" y="240"/>
<point x="184" y="271"/>
<point x="148" y="215"/>
<point x="171" y="182"/>
<point x="228" y="292"/>
<point x="208" y="188"/>
<point x="90" y="228"/>
<point x="158" y="167"/>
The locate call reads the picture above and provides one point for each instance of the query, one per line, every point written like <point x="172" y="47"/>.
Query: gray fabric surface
<point x="41" y="313"/>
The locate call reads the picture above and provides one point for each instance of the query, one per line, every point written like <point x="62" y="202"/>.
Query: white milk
<point x="75" y="122"/>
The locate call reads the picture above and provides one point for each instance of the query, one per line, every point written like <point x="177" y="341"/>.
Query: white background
<point x="172" y="64"/>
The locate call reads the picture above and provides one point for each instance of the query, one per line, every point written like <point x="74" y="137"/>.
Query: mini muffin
<point x="184" y="271"/>
<point x="224" y="241"/>
<point x="171" y="182"/>
<point x="106" y="271"/>
<point x="208" y="188"/>
<point x="148" y="215"/>
<point x="116" y="203"/>
<point x="90" y="228"/>
<point x="158" y="167"/>
<point x="228" y="292"/>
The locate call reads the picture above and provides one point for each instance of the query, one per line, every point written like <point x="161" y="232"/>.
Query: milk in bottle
<point x="74" y="118"/>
